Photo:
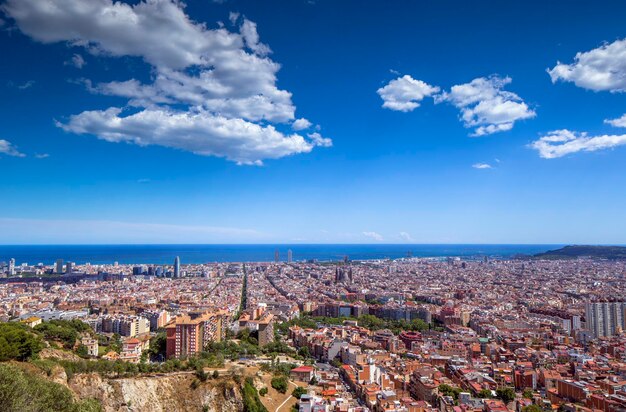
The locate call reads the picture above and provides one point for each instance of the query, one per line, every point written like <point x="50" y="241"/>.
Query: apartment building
<point x="188" y="334"/>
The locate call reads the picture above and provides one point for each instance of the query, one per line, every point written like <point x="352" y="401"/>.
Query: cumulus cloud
<point x="600" y="69"/>
<point x="212" y="91"/>
<point x="559" y="143"/>
<point x="485" y="106"/>
<point x="318" y="140"/>
<point x="7" y="148"/>
<point x="301" y="124"/>
<point x="619" y="122"/>
<point x="373" y="235"/>
<point x="251" y="37"/>
<point x="404" y="94"/>
<point x="481" y="166"/>
<point x="200" y="132"/>
<point x="406" y="237"/>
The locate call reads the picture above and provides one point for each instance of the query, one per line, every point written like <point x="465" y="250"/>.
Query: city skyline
<point x="313" y="122"/>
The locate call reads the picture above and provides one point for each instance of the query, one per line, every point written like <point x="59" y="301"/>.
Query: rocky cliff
<point x="171" y="392"/>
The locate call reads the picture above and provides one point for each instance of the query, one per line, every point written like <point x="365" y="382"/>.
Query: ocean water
<point x="165" y="254"/>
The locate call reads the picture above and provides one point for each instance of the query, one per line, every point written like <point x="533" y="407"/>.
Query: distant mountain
<point x="576" y="251"/>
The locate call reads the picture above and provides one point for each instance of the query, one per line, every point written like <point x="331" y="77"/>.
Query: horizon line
<point x="321" y="244"/>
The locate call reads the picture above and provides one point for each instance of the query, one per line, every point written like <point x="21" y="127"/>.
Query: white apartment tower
<point x="605" y="319"/>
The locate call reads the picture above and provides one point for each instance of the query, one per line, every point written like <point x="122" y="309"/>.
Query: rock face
<point x="172" y="392"/>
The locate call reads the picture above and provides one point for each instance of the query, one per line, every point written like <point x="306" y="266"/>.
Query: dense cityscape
<point x="313" y="206"/>
<point x="404" y="335"/>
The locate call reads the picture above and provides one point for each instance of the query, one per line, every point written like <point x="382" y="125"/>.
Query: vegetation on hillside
<point x="251" y="400"/>
<point x="18" y="342"/>
<point x="576" y="251"/>
<point x="21" y="391"/>
<point x="63" y="331"/>
<point x="280" y="383"/>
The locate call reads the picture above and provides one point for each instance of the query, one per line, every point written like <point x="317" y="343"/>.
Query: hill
<point x="577" y="251"/>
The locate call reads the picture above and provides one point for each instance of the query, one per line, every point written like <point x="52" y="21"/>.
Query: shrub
<point x="280" y="384"/>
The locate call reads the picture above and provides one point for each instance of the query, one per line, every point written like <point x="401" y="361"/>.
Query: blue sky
<point x="154" y="123"/>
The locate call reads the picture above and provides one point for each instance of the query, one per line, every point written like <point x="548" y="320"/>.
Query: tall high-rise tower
<point x="289" y="256"/>
<point x="59" y="266"/>
<point x="177" y="267"/>
<point x="276" y="256"/>
<point x="11" y="267"/>
<point x="605" y="318"/>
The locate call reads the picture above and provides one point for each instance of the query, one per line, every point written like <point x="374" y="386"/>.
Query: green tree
<point x="158" y="346"/>
<point x="17" y="342"/>
<point x="298" y="392"/>
<point x="506" y="394"/>
<point x="304" y="352"/>
<point x="485" y="394"/>
<point x="448" y="390"/>
<point x="82" y="351"/>
<point x="528" y="393"/>
<point x="531" y="408"/>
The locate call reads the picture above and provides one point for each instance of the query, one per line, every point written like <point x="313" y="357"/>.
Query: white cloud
<point x="373" y="235"/>
<point x="7" y="148"/>
<point x="481" y="166"/>
<point x="301" y="124"/>
<point x="485" y="106"/>
<point x="619" y="122"/>
<point x="210" y="82"/>
<point x="405" y="93"/>
<point x="77" y="61"/>
<point x="483" y="103"/>
<point x="200" y="132"/>
<point x="600" y="69"/>
<point x="318" y="140"/>
<point x="406" y="237"/>
<point x="233" y="17"/>
<point x="42" y="155"/>
<point x="251" y="37"/>
<point x="156" y="30"/>
<point x="559" y="143"/>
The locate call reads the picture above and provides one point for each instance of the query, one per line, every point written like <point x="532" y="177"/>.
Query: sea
<point x="165" y="254"/>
